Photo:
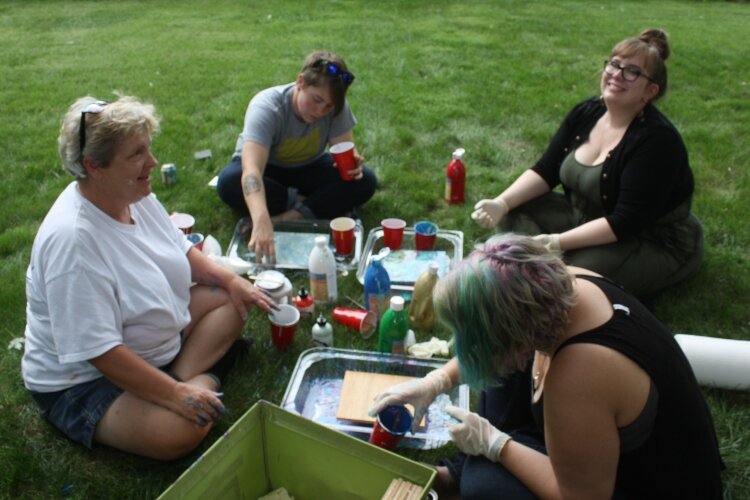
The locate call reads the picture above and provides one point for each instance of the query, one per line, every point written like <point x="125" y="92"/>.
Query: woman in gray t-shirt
<point x="280" y="168"/>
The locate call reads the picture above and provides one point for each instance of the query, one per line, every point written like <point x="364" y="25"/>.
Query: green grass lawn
<point x="493" y="77"/>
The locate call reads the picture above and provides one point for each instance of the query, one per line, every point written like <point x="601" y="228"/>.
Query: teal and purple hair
<point x="501" y="303"/>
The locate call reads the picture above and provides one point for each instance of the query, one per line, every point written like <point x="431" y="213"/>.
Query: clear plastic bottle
<point x="393" y="328"/>
<point x="322" y="267"/>
<point x="421" y="310"/>
<point x="455" y="178"/>
<point x="377" y="286"/>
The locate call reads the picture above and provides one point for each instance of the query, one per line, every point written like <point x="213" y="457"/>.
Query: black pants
<point x="508" y="408"/>
<point x="326" y="195"/>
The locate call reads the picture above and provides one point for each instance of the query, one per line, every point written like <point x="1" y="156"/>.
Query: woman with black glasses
<point x="627" y="183"/>
<point x="129" y="328"/>
<point x="280" y="167"/>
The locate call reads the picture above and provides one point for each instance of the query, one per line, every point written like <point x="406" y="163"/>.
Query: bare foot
<point x="288" y="215"/>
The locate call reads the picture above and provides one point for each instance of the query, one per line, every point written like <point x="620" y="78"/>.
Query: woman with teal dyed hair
<point x="584" y="394"/>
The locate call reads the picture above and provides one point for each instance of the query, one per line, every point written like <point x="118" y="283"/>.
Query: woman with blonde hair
<point x="121" y="347"/>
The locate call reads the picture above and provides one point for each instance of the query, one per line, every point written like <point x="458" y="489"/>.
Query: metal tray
<point x="293" y="240"/>
<point x="314" y="391"/>
<point x="449" y="244"/>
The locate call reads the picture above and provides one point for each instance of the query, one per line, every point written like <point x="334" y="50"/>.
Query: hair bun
<point x="658" y="38"/>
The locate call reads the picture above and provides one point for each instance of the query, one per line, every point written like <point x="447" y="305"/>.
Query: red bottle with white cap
<point x="455" y="178"/>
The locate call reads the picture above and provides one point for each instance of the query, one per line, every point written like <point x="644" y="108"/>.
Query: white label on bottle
<point x="324" y="340"/>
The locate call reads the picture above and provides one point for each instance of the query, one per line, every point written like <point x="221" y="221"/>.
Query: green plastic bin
<point x="269" y="448"/>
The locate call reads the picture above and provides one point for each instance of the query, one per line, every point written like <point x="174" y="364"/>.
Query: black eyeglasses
<point x="336" y="71"/>
<point x="629" y="73"/>
<point x="94" y="107"/>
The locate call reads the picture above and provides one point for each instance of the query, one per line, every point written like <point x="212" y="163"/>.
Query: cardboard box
<point x="269" y="448"/>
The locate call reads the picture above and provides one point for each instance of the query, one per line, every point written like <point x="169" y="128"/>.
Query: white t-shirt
<point x="270" y="121"/>
<point x="94" y="283"/>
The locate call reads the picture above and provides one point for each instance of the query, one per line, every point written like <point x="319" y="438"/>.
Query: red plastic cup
<point x="184" y="222"/>
<point x="343" y="155"/>
<point x="342" y="232"/>
<point x="390" y="427"/>
<point x="283" y="325"/>
<point x="361" y="320"/>
<point x="393" y="232"/>
<point x="425" y="233"/>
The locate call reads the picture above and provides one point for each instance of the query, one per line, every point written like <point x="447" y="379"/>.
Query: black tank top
<point x="680" y="458"/>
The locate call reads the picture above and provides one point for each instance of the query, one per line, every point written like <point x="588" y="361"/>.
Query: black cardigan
<point x="644" y="177"/>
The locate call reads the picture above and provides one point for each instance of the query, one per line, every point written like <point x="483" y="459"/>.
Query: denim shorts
<point x="76" y="411"/>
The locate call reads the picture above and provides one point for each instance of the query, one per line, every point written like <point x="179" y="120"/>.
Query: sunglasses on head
<point x="335" y="71"/>
<point x="94" y="107"/>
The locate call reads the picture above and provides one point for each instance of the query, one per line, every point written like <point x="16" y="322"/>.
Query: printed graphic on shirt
<point x="298" y="149"/>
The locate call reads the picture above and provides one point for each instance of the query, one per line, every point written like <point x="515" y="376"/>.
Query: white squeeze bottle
<point x="322" y="266"/>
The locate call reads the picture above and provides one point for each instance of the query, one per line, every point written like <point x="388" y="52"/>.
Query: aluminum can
<point x="169" y="174"/>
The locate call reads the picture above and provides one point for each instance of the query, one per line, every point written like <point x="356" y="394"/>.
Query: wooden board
<point x="359" y="390"/>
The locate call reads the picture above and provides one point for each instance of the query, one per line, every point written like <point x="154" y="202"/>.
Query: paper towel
<point x="716" y="362"/>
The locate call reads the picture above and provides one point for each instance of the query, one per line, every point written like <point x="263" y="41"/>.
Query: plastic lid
<point x="270" y="280"/>
<point x="397" y="303"/>
<point x="433" y="267"/>
<point x="459" y="153"/>
<point x="321" y="241"/>
<point x="321" y="320"/>
<point x="302" y="292"/>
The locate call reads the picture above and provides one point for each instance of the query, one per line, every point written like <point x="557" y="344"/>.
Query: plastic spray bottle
<point x="455" y="178"/>
<point x="421" y="310"/>
<point x="322" y="266"/>
<point x="393" y="328"/>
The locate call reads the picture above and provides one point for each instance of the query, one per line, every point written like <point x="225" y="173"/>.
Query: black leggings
<point x="326" y="195"/>
<point x="507" y="407"/>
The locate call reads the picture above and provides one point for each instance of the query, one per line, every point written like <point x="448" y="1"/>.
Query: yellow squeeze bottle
<point x="421" y="311"/>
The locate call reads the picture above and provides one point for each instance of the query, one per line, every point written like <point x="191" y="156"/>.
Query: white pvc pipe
<point x="723" y="363"/>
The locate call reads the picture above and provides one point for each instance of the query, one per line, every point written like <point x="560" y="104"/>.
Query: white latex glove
<point x="420" y="393"/>
<point x="433" y="347"/>
<point x="488" y="213"/>
<point x="475" y="435"/>
<point x="550" y="241"/>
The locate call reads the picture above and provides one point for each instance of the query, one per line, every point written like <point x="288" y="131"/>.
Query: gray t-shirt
<point x="270" y="122"/>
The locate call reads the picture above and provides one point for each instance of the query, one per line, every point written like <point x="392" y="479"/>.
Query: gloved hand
<point x="475" y="435"/>
<point x="488" y="213"/>
<point x="550" y="241"/>
<point x="420" y="393"/>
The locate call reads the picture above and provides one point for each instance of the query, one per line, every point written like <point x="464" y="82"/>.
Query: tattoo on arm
<point x="250" y="185"/>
